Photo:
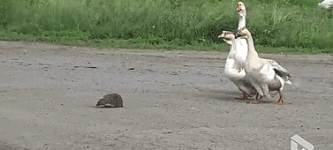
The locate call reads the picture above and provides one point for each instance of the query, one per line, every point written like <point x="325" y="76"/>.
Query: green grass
<point x="290" y="26"/>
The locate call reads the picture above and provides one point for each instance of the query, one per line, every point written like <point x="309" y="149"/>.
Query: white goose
<point x="326" y="4"/>
<point x="234" y="69"/>
<point x="265" y="75"/>
<point x="241" y="44"/>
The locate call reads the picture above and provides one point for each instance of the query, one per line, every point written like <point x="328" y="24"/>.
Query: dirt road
<point x="172" y="100"/>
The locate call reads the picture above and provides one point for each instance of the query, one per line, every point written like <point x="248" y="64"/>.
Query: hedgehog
<point x="110" y="100"/>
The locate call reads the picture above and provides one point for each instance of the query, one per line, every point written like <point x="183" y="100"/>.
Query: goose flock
<point x="254" y="76"/>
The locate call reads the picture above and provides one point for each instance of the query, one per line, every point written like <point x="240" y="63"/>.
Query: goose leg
<point x="244" y="96"/>
<point x="256" y="99"/>
<point x="266" y="91"/>
<point x="281" y="100"/>
<point x="259" y="92"/>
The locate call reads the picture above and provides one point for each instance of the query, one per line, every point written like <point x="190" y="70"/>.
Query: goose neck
<point x="232" y="50"/>
<point x="242" y="22"/>
<point x="251" y="50"/>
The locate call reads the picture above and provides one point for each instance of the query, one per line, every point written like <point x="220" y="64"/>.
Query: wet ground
<point x="172" y="100"/>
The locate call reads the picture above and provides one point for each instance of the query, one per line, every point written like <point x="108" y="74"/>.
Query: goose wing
<point x="280" y="71"/>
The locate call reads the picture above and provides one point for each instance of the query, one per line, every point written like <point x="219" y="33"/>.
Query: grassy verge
<point x="144" y="44"/>
<point x="289" y="26"/>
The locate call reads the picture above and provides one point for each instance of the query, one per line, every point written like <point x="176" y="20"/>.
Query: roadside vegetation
<point x="294" y="26"/>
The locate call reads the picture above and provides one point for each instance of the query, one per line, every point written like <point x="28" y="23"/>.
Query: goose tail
<point x="288" y="81"/>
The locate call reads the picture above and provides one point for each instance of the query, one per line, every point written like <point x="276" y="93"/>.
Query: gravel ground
<point x="172" y="100"/>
